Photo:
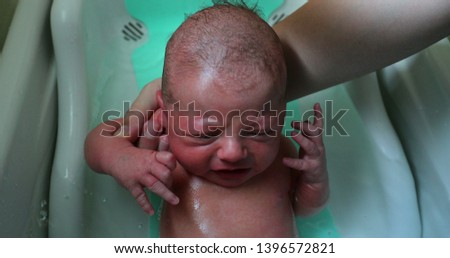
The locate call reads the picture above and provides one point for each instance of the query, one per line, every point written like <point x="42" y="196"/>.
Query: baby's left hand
<point x="312" y="188"/>
<point x="311" y="161"/>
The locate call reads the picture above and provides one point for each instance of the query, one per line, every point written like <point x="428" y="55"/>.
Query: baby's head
<point x="223" y="87"/>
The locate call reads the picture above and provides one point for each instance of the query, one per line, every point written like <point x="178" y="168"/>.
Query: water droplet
<point x="43" y="203"/>
<point x="140" y="226"/>
<point x="43" y="215"/>
<point x="104" y="200"/>
<point x="196" y="204"/>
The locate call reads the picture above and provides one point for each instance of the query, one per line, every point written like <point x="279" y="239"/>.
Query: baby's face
<point x="225" y="137"/>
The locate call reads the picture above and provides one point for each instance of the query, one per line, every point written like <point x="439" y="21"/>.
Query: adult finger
<point x="152" y="131"/>
<point x="163" y="143"/>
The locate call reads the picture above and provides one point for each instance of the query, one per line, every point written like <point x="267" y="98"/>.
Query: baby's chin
<point x="231" y="179"/>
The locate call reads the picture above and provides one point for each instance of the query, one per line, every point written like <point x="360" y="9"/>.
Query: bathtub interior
<point x="417" y="95"/>
<point x="7" y="10"/>
<point x="101" y="66"/>
<point x="28" y="113"/>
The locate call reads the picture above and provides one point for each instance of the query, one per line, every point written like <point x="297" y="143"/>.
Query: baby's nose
<point x="232" y="150"/>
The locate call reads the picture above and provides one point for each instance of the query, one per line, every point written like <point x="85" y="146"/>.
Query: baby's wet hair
<point x="222" y="37"/>
<point x="240" y="4"/>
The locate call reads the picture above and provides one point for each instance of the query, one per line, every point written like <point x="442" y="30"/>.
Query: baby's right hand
<point x="134" y="168"/>
<point x="137" y="169"/>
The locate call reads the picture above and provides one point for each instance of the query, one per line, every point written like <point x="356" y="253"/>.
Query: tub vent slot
<point x="276" y="18"/>
<point x="133" y="31"/>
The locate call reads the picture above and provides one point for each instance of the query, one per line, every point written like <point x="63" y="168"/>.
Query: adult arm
<point x="328" y="41"/>
<point x="144" y="105"/>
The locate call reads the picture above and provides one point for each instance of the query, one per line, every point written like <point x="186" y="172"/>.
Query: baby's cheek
<point x="191" y="160"/>
<point x="266" y="154"/>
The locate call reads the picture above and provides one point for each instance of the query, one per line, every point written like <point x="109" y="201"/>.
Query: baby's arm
<point x="110" y="149"/>
<point x="311" y="187"/>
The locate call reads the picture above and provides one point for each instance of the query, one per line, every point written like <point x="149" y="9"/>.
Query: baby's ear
<point x="159" y="99"/>
<point x="160" y="119"/>
<point x="160" y="115"/>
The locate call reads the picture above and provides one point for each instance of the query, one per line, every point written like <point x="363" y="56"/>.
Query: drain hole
<point x="133" y="31"/>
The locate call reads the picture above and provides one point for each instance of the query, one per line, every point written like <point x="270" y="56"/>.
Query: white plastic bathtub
<point x="28" y="112"/>
<point x="417" y="96"/>
<point x="386" y="181"/>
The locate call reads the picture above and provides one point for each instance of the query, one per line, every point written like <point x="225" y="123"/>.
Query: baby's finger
<point x="297" y="164"/>
<point x="160" y="171"/>
<point x="307" y="145"/>
<point x="163" y="143"/>
<point x="166" y="158"/>
<point x="142" y="199"/>
<point x="293" y="163"/>
<point x="318" y="116"/>
<point x="307" y="128"/>
<point x="160" y="189"/>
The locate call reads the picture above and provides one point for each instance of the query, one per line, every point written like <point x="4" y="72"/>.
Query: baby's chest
<point x="209" y="211"/>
